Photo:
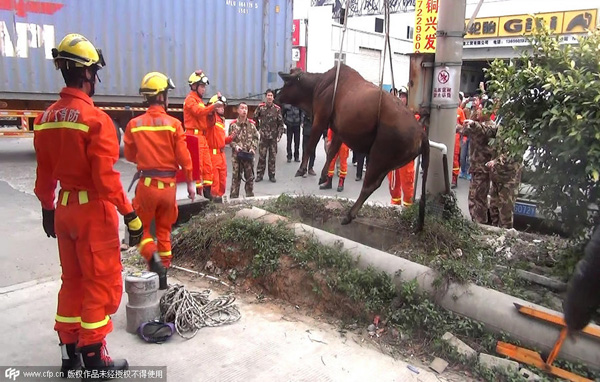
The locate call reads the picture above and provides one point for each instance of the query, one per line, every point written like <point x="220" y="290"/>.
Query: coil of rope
<point x="191" y="311"/>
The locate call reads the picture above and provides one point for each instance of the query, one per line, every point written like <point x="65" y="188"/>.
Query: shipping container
<point x="240" y="45"/>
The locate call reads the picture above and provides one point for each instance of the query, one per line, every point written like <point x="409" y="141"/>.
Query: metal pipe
<point x="440" y="146"/>
<point x="474" y="15"/>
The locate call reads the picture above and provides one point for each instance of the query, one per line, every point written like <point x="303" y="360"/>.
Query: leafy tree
<point x="549" y="99"/>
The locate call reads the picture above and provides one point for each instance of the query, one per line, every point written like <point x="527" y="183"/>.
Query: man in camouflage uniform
<point x="246" y="141"/>
<point x="505" y="174"/>
<point x="480" y="132"/>
<point x="269" y="123"/>
<point x="293" y="119"/>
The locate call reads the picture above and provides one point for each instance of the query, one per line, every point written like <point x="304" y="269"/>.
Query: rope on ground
<point x="191" y="311"/>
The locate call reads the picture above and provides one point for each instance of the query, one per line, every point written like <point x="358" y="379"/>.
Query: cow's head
<point x="293" y="91"/>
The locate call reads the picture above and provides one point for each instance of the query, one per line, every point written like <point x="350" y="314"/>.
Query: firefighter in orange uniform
<point x="343" y="155"/>
<point x="402" y="180"/>
<point x="217" y="139"/>
<point x="155" y="141"/>
<point x="194" y="120"/>
<point x="76" y="144"/>
<point x="460" y="119"/>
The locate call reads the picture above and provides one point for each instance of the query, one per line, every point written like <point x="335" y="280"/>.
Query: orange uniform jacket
<point x="156" y="141"/>
<point x="195" y="114"/>
<point x="77" y="144"/>
<point x="216" y="135"/>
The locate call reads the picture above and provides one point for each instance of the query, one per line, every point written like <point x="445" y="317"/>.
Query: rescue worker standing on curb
<point x="402" y="180"/>
<point x="343" y="154"/>
<point x="244" y="145"/>
<point x="460" y="120"/>
<point x="505" y="175"/>
<point x="155" y="142"/>
<point x="194" y="120"/>
<point x="269" y="123"/>
<point x="76" y="144"/>
<point x="217" y="139"/>
<point x="480" y="153"/>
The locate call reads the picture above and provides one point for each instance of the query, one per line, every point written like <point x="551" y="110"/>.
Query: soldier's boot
<point x="328" y="185"/>
<point x="155" y="265"/>
<point x="206" y="192"/>
<point x="96" y="359"/>
<point x="341" y="185"/>
<point x="71" y="360"/>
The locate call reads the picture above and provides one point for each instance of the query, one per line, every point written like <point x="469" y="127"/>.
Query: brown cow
<point x="364" y="118"/>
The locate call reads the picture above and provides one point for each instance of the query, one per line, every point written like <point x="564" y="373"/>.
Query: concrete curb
<point x="494" y="309"/>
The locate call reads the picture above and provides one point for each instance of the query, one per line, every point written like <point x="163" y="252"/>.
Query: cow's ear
<point x="285" y="76"/>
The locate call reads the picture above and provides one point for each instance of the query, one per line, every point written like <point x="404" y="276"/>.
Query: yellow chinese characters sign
<point x="510" y="26"/>
<point x="426" y="16"/>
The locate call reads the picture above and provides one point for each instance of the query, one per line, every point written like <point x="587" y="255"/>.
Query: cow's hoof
<point x="322" y="180"/>
<point x="301" y="172"/>
<point x="346" y="220"/>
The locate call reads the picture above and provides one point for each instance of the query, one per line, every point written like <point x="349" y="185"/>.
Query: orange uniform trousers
<point x="456" y="161"/>
<point x="219" y="165"/>
<point x="156" y="200"/>
<point x="87" y="230"/>
<point x="343" y="154"/>
<point x="402" y="184"/>
<point x="204" y="154"/>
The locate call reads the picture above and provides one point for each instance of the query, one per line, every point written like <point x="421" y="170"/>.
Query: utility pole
<point x="446" y="83"/>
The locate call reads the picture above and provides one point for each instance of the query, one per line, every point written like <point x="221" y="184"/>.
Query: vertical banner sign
<point x="426" y="15"/>
<point x="296" y="32"/>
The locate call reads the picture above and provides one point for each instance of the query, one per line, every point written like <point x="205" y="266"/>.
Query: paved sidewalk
<point x="270" y="343"/>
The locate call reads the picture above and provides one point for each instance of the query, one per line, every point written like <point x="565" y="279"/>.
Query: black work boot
<point x="155" y="265"/>
<point x="206" y="193"/>
<point x="341" y="185"/>
<point x="71" y="359"/>
<point x="328" y="185"/>
<point x="96" y="359"/>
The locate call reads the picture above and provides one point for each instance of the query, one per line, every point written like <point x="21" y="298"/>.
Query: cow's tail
<point x="425" y="167"/>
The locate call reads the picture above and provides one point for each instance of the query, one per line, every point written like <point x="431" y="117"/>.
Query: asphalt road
<point x="27" y="254"/>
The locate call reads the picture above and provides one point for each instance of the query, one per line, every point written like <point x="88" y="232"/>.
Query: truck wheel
<point x="118" y="129"/>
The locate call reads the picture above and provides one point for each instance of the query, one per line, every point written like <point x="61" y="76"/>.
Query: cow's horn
<point x="284" y="76"/>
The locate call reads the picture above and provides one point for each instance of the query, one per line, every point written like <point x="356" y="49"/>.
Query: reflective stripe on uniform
<point x="198" y="184"/>
<point x="153" y="128"/>
<point x="406" y="204"/>
<point x="65" y="198"/>
<point x="196" y="131"/>
<point x="164" y="254"/>
<point x="215" y="151"/>
<point x="67" y="320"/>
<point x="147" y="182"/>
<point x="82" y="195"/>
<point x="161" y="185"/>
<point x="95" y="325"/>
<point x="144" y="242"/>
<point x="208" y="182"/>
<point x="62" y="125"/>
<point x="219" y="124"/>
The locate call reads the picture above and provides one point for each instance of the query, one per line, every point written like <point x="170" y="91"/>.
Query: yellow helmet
<point x="198" y="76"/>
<point x="216" y="98"/>
<point x="154" y="83"/>
<point x="78" y="49"/>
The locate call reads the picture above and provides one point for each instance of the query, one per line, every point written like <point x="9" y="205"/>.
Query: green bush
<point x="549" y="99"/>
